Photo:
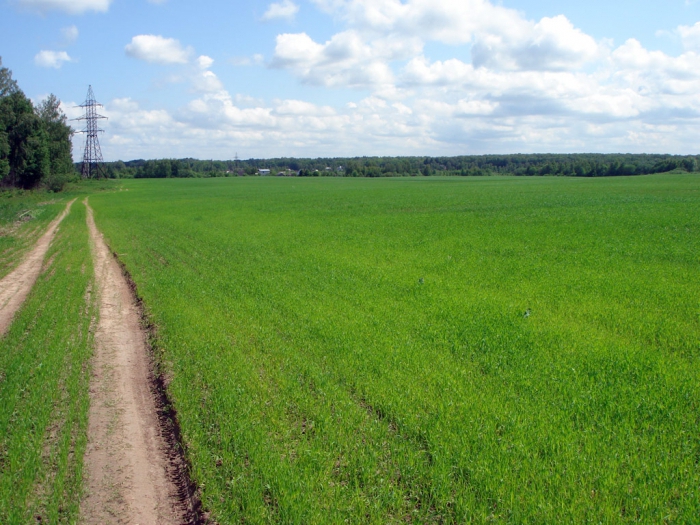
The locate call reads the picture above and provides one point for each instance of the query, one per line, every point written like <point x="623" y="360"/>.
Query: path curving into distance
<point x="15" y="286"/>
<point x="130" y="476"/>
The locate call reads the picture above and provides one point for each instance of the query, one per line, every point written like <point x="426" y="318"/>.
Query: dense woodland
<point x="35" y="145"/>
<point x="568" y="165"/>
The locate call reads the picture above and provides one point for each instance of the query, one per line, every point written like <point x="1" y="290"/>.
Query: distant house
<point x="263" y="171"/>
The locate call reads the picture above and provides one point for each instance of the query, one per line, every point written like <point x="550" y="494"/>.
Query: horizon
<point x="396" y="156"/>
<point x="353" y="78"/>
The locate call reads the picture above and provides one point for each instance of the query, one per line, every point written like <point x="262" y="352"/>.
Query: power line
<point x="92" y="157"/>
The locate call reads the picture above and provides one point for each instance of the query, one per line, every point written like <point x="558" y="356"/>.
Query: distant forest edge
<point x="566" y="165"/>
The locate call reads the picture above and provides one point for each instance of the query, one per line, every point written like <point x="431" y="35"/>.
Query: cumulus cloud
<point x="551" y="44"/>
<point x="72" y="7"/>
<point x="70" y="34"/>
<point x="512" y="84"/>
<point x="157" y="49"/>
<point x="215" y="110"/>
<point x="203" y="80"/>
<point x="448" y="21"/>
<point x="54" y="59"/>
<point x="285" y="10"/>
<point x="207" y="82"/>
<point x="160" y="50"/>
<point x="386" y="31"/>
<point x="690" y="36"/>
<point x="300" y="107"/>
<point x="345" y="60"/>
<point x="205" y="62"/>
<point x="656" y="74"/>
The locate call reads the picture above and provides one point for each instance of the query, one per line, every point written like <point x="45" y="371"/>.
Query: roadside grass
<point x="44" y="378"/>
<point x="498" y="350"/>
<point x="24" y="216"/>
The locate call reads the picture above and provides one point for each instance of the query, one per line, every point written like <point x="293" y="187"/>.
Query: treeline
<point x="565" y="165"/>
<point x="35" y="145"/>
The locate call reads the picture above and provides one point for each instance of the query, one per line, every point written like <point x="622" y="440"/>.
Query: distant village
<point x="296" y="173"/>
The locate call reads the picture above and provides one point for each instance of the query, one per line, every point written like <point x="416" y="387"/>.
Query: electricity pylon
<point x="92" y="157"/>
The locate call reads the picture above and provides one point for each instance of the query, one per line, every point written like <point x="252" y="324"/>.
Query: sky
<point x="328" y="78"/>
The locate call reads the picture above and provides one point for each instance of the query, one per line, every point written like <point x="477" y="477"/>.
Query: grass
<point x="44" y="377"/>
<point x="428" y="350"/>
<point x="24" y="216"/>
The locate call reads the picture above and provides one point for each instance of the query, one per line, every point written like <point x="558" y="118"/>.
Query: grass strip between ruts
<point x="44" y="378"/>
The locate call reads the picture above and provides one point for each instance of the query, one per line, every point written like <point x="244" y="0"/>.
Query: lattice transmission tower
<point x="92" y="157"/>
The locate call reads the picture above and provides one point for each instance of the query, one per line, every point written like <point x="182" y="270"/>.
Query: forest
<point x="35" y="142"/>
<point x="567" y="165"/>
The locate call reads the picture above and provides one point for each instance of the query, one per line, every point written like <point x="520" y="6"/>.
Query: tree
<point x="35" y="144"/>
<point x="7" y="84"/>
<point x="28" y="157"/>
<point x="7" y="87"/>
<point x="58" y="142"/>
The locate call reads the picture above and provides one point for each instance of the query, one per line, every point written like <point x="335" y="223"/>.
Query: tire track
<point x="15" y="286"/>
<point x="130" y="476"/>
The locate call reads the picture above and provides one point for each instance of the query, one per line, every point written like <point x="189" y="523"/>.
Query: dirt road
<point x="130" y="477"/>
<point x="16" y="285"/>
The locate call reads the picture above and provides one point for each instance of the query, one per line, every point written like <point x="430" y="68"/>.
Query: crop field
<point x="477" y="350"/>
<point x="44" y="363"/>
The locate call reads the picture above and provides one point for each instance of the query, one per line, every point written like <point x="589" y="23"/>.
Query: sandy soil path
<point x="16" y="285"/>
<point x="129" y="474"/>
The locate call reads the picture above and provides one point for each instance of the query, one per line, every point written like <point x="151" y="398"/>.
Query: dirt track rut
<point x="16" y="285"/>
<point x="129" y="476"/>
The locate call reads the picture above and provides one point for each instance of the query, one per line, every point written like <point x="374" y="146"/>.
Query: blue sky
<point x="365" y="77"/>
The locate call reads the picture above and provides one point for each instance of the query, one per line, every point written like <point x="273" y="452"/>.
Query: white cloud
<point x="550" y="44"/>
<point x="690" y="36"/>
<point x="157" y="49"/>
<point x="286" y="9"/>
<point x="207" y="82"/>
<point x="385" y="31"/>
<point x="216" y="110"/>
<point x="205" y="62"/>
<point x="70" y="34"/>
<point x="203" y="80"/>
<point x="300" y="107"/>
<point x="73" y="7"/>
<point x="345" y="60"/>
<point x="511" y="84"/>
<point x="448" y="21"/>
<point x="656" y="74"/>
<point x="54" y="59"/>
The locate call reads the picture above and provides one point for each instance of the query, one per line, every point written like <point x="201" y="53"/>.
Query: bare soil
<point x="131" y="477"/>
<point x="16" y="285"/>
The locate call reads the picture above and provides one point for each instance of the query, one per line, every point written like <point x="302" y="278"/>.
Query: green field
<point x="427" y="350"/>
<point x="44" y="376"/>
